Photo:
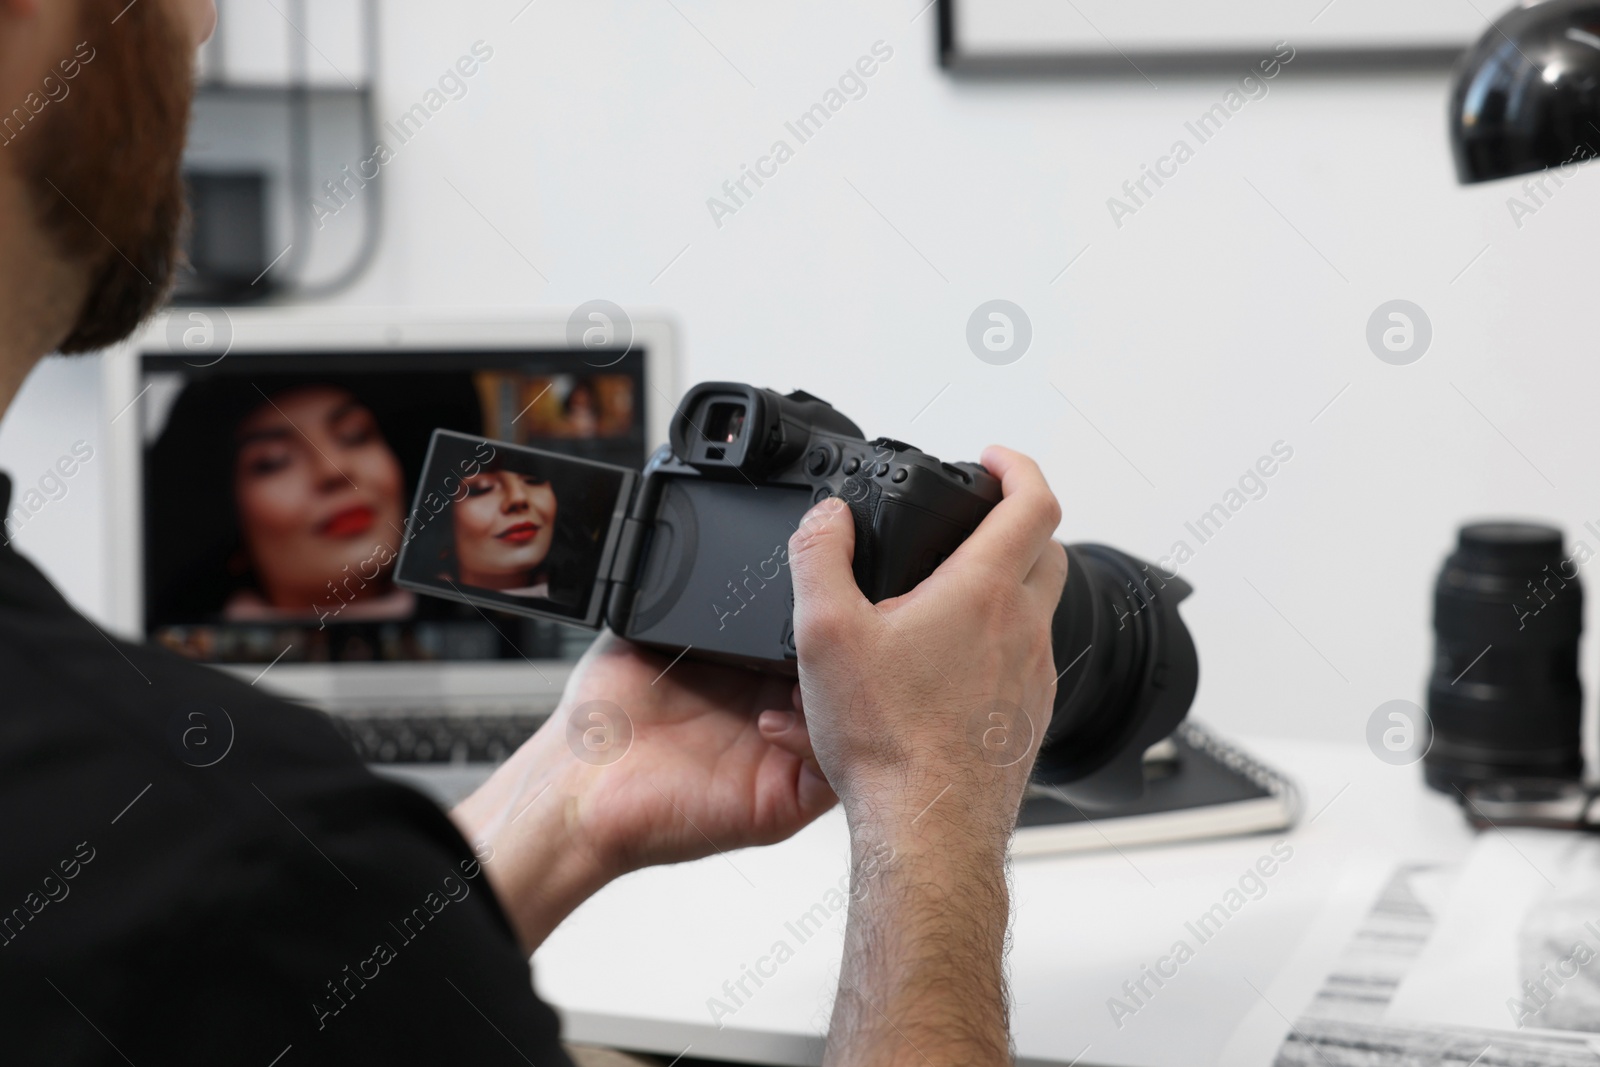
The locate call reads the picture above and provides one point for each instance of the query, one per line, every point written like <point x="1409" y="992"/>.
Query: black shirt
<point x="193" y="871"/>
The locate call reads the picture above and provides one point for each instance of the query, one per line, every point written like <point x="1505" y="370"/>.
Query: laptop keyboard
<point x="422" y="738"/>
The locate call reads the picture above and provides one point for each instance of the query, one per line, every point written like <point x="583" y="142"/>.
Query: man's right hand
<point x="931" y="705"/>
<point x="925" y="713"/>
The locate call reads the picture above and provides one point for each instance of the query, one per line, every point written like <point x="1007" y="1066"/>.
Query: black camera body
<point x="703" y="560"/>
<point x="690" y="556"/>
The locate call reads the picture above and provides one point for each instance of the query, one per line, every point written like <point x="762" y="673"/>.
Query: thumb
<point x="820" y="553"/>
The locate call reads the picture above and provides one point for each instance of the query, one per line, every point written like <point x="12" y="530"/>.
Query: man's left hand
<point x="646" y="761"/>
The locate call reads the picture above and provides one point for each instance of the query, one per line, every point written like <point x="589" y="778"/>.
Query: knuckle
<point x="821" y="626"/>
<point x="806" y="539"/>
<point x="1058" y="562"/>
<point x="814" y="531"/>
<point x="1044" y="508"/>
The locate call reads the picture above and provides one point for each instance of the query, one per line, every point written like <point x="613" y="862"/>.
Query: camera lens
<point x="1504" y="699"/>
<point x="1128" y="674"/>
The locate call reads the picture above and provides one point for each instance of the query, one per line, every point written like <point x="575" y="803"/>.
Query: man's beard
<point x="104" y="167"/>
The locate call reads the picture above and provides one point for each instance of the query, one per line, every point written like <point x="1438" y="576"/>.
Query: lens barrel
<point x="1128" y="675"/>
<point x="1504" y="699"/>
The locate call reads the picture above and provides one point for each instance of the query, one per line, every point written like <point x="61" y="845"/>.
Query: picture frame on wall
<point x="1100" y="38"/>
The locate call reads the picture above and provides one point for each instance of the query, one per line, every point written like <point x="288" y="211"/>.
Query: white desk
<point x="637" y="965"/>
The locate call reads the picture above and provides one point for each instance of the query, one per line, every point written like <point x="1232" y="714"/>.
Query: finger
<point x="787" y="730"/>
<point x="1014" y="533"/>
<point x="1049" y="574"/>
<point x="813" y="791"/>
<point x="825" y="590"/>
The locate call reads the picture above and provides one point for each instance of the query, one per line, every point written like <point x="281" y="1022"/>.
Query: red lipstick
<point x="521" y="533"/>
<point x="349" y="522"/>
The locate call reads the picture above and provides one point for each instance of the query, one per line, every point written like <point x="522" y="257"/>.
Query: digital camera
<point x="690" y="556"/>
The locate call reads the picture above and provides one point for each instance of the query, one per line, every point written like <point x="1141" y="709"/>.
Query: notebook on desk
<point x="1196" y="786"/>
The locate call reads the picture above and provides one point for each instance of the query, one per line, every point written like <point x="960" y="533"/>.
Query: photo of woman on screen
<point x="281" y="497"/>
<point x="316" y="483"/>
<point x="319" y="492"/>
<point x="519" y="527"/>
<point x="504" y="524"/>
<point x="503" y="532"/>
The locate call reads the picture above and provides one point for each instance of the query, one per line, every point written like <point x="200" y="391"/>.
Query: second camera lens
<point x="1504" y="700"/>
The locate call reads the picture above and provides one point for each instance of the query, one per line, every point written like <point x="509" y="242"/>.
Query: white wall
<point x="1206" y="328"/>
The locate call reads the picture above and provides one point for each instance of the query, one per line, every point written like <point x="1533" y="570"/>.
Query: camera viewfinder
<point x="725" y="422"/>
<point x="715" y="428"/>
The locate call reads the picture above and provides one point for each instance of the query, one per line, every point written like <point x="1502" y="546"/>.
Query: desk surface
<point x="654" y="961"/>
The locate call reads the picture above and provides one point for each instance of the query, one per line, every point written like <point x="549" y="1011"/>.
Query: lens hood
<point x="1128" y="675"/>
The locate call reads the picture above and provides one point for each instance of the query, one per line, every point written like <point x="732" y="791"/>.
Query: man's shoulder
<point x="176" y="832"/>
<point x="96" y="728"/>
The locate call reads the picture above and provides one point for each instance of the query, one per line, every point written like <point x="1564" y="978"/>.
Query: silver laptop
<point x="264" y="463"/>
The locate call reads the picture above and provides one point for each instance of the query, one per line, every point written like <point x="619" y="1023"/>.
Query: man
<point x="283" y="905"/>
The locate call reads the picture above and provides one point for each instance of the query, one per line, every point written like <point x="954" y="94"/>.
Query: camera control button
<point x="821" y="494"/>
<point x="852" y="465"/>
<point x="883" y="468"/>
<point x="899" y="474"/>
<point x="819" y="460"/>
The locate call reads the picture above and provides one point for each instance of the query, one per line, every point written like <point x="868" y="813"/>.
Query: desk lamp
<point x="1527" y="96"/>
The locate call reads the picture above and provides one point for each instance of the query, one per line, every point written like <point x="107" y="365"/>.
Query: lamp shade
<point x="1527" y="96"/>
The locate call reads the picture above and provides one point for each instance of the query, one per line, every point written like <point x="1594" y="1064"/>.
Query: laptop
<point x="263" y="463"/>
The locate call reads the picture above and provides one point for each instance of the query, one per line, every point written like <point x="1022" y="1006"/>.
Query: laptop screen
<point x="276" y="487"/>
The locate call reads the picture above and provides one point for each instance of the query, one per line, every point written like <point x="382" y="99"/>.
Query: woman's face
<point x="503" y="526"/>
<point x="318" y="489"/>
